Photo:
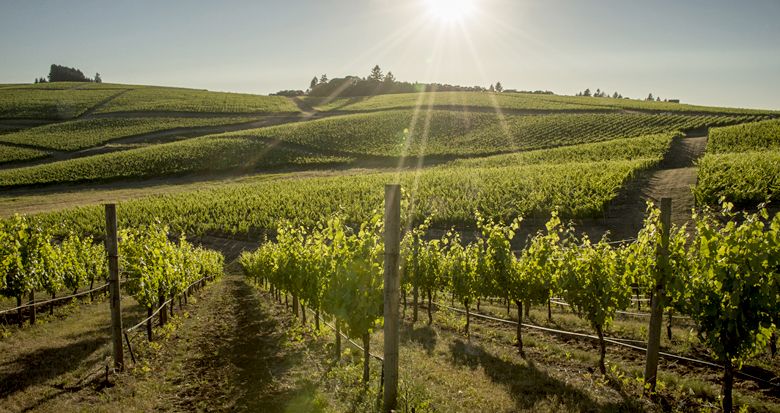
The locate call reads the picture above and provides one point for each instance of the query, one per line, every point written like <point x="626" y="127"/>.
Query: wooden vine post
<point x="392" y="288"/>
<point x="656" y="312"/>
<point x="112" y="248"/>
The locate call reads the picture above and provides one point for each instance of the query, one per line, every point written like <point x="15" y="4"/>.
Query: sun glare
<point x="450" y="10"/>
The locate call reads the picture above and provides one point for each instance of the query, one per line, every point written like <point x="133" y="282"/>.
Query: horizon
<point x="705" y="53"/>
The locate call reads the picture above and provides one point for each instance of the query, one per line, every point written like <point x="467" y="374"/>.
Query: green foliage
<point x="157" y="268"/>
<point x="731" y="290"/>
<point x="459" y="268"/>
<point x="208" y="153"/>
<point x="23" y="245"/>
<point x="593" y="282"/>
<point x="648" y="147"/>
<point x="79" y="134"/>
<point x="745" y="137"/>
<point x="163" y="99"/>
<point x="578" y="189"/>
<point x="745" y="178"/>
<point x="10" y="153"/>
<point x="535" y="277"/>
<point x="42" y="103"/>
<point x="497" y="265"/>
<point x="741" y="166"/>
<point x="438" y="132"/>
<point x="510" y="101"/>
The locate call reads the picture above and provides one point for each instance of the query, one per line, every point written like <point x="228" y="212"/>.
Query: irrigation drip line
<point x="631" y="313"/>
<point x="612" y="340"/>
<point x="39" y="303"/>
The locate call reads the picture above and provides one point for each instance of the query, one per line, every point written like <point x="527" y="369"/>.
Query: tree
<point x="492" y="88"/>
<point x="389" y="78"/>
<point x="313" y="83"/>
<point x="97" y="78"/>
<point x="586" y="92"/>
<point x="650" y="97"/>
<point x="59" y="73"/>
<point x="615" y="95"/>
<point x="376" y="74"/>
<point x="323" y="78"/>
<point x="499" y="88"/>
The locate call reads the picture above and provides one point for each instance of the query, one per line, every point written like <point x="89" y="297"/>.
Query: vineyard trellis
<point x="730" y="264"/>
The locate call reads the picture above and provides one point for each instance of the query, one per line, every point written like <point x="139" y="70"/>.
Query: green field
<point x="742" y="165"/>
<point x="455" y="100"/>
<point x="402" y="133"/>
<point x="159" y="99"/>
<point x="204" y="154"/>
<point x="578" y="187"/>
<point x="80" y="134"/>
<point x="38" y="103"/>
<point x="14" y="153"/>
<point x="509" y="101"/>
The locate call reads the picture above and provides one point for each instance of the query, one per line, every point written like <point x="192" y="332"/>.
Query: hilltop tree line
<point x="379" y="83"/>
<point x="59" y="73"/>
<point x="603" y="94"/>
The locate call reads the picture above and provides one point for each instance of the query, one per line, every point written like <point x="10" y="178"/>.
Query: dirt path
<point x="673" y="177"/>
<point x="235" y="355"/>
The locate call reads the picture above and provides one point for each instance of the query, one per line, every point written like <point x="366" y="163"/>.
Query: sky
<point x="713" y="52"/>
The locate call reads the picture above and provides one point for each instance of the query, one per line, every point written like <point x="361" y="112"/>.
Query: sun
<point x="450" y="11"/>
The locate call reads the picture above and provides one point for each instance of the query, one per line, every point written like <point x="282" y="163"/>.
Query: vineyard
<point x="49" y="104"/>
<point x="742" y="165"/>
<point x="157" y="99"/>
<point x="15" y="153"/>
<point x="507" y="304"/>
<point x="407" y="133"/>
<point x="80" y="134"/>
<point x="510" y="101"/>
<point x="336" y="269"/>
<point x="576" y="187"/>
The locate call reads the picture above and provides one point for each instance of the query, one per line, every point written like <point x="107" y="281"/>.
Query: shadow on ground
<point x="527" y="384"/>
<point x="45" y="364"/>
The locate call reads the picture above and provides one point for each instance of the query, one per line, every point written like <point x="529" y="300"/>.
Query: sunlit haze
<point x="705" y="52"/>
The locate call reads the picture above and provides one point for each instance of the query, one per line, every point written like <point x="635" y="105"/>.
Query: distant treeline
<point x="377" y="83"/>
<point x="59" y="73"/>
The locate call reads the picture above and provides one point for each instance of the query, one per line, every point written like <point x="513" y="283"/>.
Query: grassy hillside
<point x="38" y="103"/>
<point x="578" y="187"/>
<point x="404" y="133"/>
<point x="14" y="153"/>
<point x="204" y="154"/>
<point x="154" y="99"/>
<point x="79" y="134"/>
<point x="742" y="165"/>
<point x="509" y="101"/>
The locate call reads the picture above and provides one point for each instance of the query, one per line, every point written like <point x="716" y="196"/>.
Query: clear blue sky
<point x="702" y="51"/>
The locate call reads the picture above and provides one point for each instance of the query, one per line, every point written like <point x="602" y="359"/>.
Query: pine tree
<point x="324" y="78"/>
<point x="389" y="78"/>
<point x="499" y="88"/>
<point x="313" y="82"/>
<point x="376" y="74"/>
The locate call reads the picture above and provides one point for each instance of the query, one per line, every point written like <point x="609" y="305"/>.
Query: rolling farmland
<point x="491" y="182"/>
